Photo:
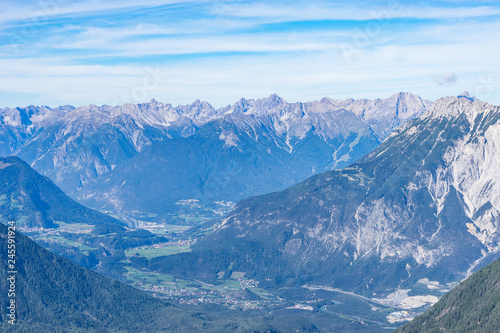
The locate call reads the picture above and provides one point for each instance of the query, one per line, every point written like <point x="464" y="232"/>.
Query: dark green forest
<point x="473" y="306"/>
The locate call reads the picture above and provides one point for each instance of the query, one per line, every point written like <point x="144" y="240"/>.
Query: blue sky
<point x="56" y="52"/>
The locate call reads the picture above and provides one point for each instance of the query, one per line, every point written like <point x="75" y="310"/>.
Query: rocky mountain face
<point x="423" y="206"/>
<point x="104" y="156"/>
<point x="73" y="146"/>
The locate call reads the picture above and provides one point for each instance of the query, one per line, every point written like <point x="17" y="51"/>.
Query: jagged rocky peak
<point x="369" y="108"/>
<point x="199" y="110"/>
<point x="240" y="107"/>
<point x="270" y="105"/>
<point x="273" y="100"/>
<point x="21" y="116"/>
<point x="163" y="114"/>
<point x="326" y="100"/>
<point x="92" y="110"/>
<point x="409" y="99"/>
<point x="408" y="105"/>
<point x="405" y="104"/>
<point x="153" y="113"/>
<point x="462" y="104"/>
<point x="465" y="94"/>
<point x="152" y="107"/>
<point x="383" y="115"/>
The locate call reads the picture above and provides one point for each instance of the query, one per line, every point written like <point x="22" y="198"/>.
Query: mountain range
<point x="149" y="160"/>
<point x="423" y="206"/>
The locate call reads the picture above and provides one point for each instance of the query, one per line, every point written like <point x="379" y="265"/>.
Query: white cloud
<point x="378" y="72"/>
<point x="446" y="79"/>
<point x="48" y="9"/>
<point x="349" y="10"/>
<point x="299" y="64"/>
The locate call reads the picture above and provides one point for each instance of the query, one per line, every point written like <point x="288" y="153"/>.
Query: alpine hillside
<point x="35" y="201"/>
<point x="473" y="306"/>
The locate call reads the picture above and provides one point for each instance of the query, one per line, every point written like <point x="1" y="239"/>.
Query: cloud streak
<point x="446" y="79"/>
<point x="97" y="51"/>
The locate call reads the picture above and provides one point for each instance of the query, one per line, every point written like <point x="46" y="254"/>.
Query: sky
<point x="59" y="52"/>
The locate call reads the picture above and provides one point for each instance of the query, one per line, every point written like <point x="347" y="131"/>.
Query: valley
<point x="232" y="290"/>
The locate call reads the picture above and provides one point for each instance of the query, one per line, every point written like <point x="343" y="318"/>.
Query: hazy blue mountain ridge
<point x="35" y="201"/>
<point x="97" y="154"/>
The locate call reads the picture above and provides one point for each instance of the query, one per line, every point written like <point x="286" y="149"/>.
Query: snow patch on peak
<point x="230" y="139"/>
